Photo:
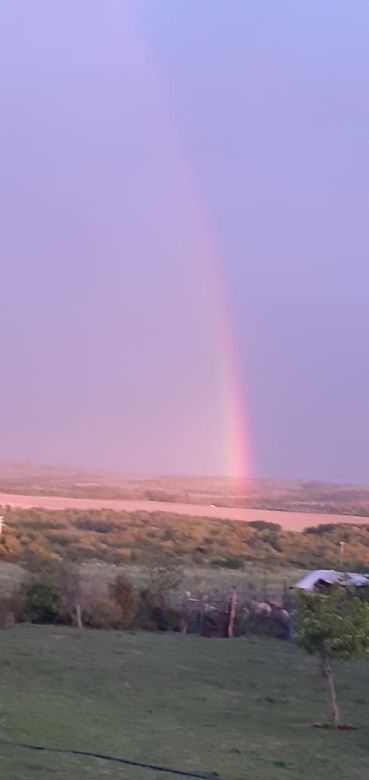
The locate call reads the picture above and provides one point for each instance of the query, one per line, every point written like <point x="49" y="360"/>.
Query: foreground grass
<point x="238" y="708"/>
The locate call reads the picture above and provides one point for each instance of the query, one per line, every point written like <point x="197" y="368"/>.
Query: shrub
<point x="123" y="594"/>
<point x="323" y="528"/>
<point x="229" y="562"/>
<point x="144" y="611"/>
<point x="263" y="525"/>
<point x="10" y="547"/>
<point x="163" y="582"/>
<point x="151" y="615"/>
<point x="101" y="612"/>
<point x="41" y="603"/>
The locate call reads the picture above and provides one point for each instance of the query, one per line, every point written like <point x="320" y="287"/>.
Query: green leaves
<point x="336" y="625"/>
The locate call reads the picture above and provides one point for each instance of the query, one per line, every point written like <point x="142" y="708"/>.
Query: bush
<point x="229" y="562"/>
<point x="122" y="593"/>
<point x="151" y="615"/>
<point x="41" y="603"/>
<point x="262" y="525"/>
<point x="164" y="581"/>
<point x="101" y="613"/>
<point x="323" y="528"/>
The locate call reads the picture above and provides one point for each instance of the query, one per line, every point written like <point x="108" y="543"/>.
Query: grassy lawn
<point x="238" y="708"/>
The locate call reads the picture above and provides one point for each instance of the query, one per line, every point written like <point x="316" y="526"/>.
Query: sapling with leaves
<point x="332" y="627"/>
<point x="70" y="595"/>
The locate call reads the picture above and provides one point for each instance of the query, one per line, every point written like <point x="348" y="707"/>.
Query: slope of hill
<point x="287" y="519"/>
<point x="146" y="538"/>
<point x="225" y="492"/>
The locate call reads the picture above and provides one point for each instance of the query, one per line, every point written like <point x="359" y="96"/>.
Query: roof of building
<point x="331" y="576"/>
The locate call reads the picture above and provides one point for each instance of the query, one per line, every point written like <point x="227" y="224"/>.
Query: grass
<point x="236" y="708"/>
<point x="218" y="581"/>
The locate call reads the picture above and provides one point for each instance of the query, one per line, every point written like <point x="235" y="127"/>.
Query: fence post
<point x="202" y="607"/>
<point x="185" y="613"/>
<point x="232" y="613"/>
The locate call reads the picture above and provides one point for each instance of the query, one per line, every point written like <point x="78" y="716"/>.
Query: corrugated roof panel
<point x="330" y="576"/>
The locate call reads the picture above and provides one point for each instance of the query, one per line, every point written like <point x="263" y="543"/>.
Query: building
<point x="320" y="580"/>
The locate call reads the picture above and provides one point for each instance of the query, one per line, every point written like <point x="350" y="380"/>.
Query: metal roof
<point x="330" y="576"/>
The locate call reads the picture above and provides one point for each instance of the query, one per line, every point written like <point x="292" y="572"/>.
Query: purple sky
<point x="122" y="125"/>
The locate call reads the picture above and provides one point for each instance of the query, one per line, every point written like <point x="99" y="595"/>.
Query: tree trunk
<point x="185" y="616"/>
<point x="327" y="674"/>
<point x="79" y="619"/>
<point x="202" y="607"/>
<point x="231" y="615"/>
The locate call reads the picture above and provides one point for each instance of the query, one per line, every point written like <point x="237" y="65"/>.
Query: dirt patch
<point x="290" y="521"/>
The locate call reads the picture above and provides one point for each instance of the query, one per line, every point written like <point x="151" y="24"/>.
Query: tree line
<point x="140" y="537"/>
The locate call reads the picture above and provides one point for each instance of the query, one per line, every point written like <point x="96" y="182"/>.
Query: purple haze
<point x="107" y="353"/>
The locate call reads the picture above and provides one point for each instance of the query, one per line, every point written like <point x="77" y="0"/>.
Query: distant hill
<point x="288" y="496"/>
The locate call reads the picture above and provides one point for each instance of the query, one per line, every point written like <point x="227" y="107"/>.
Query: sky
<point x="184" y="236"/>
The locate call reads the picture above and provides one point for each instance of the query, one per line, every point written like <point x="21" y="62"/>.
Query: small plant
<point x="71" y="596"/>
<point x="333" y="626"/>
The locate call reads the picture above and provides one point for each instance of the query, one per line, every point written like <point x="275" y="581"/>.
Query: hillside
<point x="286" y="496"/>
<point x="148" y="537"/>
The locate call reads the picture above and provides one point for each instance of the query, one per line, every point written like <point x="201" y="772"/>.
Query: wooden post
<point x="232" y="614"/>
<point x="342" y="553"/>
<point x="185" y="613"/>
<point x="202" y="607"/>
<point x="79" y="619"/>
<point x="265" y="586"/>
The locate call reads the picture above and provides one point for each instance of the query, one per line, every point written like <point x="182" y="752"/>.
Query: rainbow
<point x="237" y="461"/>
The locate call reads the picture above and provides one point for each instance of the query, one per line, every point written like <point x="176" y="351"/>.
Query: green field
<point x="236" y="708"/>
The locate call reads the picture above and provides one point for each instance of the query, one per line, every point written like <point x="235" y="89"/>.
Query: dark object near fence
<point x="219" y="619"/>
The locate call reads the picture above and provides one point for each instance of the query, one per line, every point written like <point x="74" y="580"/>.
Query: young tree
<point x="332" y="626"/>
<point x="70" y="595"/>
<point x="122" y="593"/>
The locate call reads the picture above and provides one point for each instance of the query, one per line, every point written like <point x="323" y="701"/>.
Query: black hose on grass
<point x="104" y="757"/>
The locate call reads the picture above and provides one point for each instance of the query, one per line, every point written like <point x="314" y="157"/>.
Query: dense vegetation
<point x="332" y="626"/>
<point x="144" y="538"/>
<point x="57" y="595"/>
